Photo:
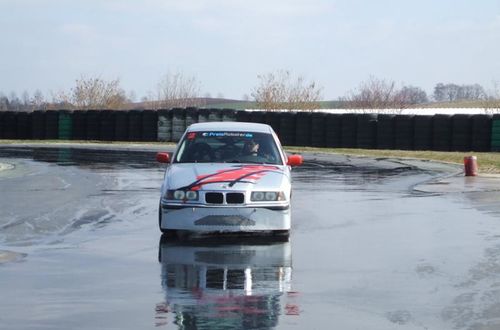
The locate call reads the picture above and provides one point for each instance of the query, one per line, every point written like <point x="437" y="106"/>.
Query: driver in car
<point x="250" y="148"/>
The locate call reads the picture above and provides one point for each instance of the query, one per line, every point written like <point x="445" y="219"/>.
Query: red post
<point x="470" y="165"/>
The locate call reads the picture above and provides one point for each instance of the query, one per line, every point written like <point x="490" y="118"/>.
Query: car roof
<point x="230" y="126"/>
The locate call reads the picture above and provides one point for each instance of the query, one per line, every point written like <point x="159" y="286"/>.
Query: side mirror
<point x="163" y="157"/>
<point x="294" y="160"/>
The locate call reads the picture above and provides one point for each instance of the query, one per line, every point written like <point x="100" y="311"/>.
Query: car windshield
<point x="228" y="147"/>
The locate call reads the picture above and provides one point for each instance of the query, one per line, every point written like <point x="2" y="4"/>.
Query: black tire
<point x="281" y="233"/>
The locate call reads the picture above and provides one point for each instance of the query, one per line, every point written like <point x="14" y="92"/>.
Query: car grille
<point x="230" y="198"/>
<point x="235" y="198"/>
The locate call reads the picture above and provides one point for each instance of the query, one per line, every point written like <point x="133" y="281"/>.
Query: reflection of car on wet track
<point x="224" y="285"/>
<point x="227" y="177"/>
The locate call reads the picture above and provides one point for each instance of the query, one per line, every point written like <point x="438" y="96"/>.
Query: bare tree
<point x="377" y="94"/>
<point x="413" y="95"/>
<point x="15" y="103"/>
<point x="175" y="90"/>
<point x="26" y="101"/>
<point x="491" y="103"/>
<point x="4" y="102"/>
<point x="454" y="92"/>
<point x="280" y="90"/>
<point x="92" y="93"/>
<point x="38" y="100"/>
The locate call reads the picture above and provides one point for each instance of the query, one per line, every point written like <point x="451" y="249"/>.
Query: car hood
<point x="209" y="176"/>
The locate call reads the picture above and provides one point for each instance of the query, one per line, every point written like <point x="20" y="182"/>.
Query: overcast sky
<point x="225" y="44"/>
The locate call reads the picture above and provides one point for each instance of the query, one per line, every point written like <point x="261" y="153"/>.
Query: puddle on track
<point x="366" y="252"/>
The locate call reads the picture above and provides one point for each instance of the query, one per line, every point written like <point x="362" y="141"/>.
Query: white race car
<point x="227" y="177"/>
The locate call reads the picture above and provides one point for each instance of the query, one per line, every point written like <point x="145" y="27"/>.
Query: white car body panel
<point x="231" y="185"/>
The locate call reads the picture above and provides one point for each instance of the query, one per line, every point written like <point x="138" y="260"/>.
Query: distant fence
<point x="459" y="132"/>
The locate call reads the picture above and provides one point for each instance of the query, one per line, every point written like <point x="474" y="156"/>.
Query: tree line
<point x="274" y="91"/>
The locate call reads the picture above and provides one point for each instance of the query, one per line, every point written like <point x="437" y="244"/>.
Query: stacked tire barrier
<point x="65" y="125"/>
<point x="243" y="116"/>
<point x="384" y="131"/>
<point x="149" y="127"/>
<point x="178" y="124"/>
<point x="333" y="131"/>
<point x="10" y="124"/>
<point x="203" y="115"/>
<point x="190" y="117"/>
<point x="482" y="128"/>
<point x="165" y="125"/>
<point x="422" y="132"/>
<point x="80" y="125"/>
<point x="461" y="136"/>
<point x="495" y="133"/>
<point x="303" y="129"/>
<point x="348" y="130"/>
<point x="214" y="115"/>
<point x="228" y="115"/>
<point x="441" y="133"/>
<point x="287" y="128"/>
<point x="92" y="125"/>
<point x="135" y="125"/>
<point x="23" y="126"/>
<point x="52" y="125"/>
<point x="403" y="132"/>
<point x="257" y="117"/>
<point x="318" y="129"/>
<point x="107" y="121"/>
<point x="272" y="118"/>
<point x="122" y="126"/>
<point x="366" y="131"/>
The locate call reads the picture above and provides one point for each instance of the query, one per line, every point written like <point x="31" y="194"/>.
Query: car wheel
<point x="281" y="234"/>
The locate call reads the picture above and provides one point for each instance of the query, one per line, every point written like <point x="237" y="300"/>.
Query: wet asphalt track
<point x="369" y="249"/>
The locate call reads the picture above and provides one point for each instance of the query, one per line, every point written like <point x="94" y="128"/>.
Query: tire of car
<point x="281" y="235"/>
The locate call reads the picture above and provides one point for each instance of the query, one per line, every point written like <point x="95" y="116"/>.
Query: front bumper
<point x="225" y="219"/>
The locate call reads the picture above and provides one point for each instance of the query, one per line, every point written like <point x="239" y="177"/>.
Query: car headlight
<point x="182" y="195"/>
<point x="267" y="196"/>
